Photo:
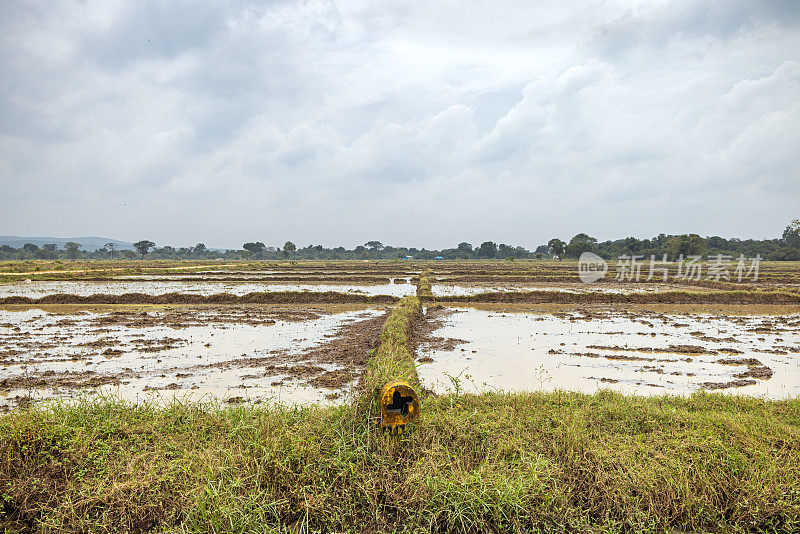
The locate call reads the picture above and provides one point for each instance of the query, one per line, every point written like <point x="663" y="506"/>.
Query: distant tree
<point x="289" y="247"/>
<point x="487" y="250"/>
<point x="256" y="249"/>
<point x="579" y="244"/>
<point x="464" y="249"/>
<point x="685" y="245"/>
<point x="48" y="251"/>
<point x="200" y="249"/>
<point x="631" y="245"/>
<point x="143" y="246"/>
<point x="374" y="245"/>
<point x="784" y="254"/>
<point x="556" y="247"/>
<point x="30" y="248"/>
<point x="791" y="235"/>
<point x="717" y="242"/>
<point x="111" y="247"/>
<point x="505" y="251"/>
<point x="72" y="249"/>
<point x="542" y="251"/>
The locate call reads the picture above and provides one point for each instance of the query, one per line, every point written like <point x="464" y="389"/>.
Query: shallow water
<point x="530" y="352"/>
<point x="443" y="289"/>
<point x="214" y="361"/>
<point x="256" y="275"/>
<point x="38" y="289"/>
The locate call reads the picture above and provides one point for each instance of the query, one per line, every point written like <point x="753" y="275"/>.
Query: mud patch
<point x="434" y="318"/>
<point x="726" y="385"/>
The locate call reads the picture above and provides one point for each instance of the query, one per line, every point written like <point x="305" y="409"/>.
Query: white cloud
<point x="423" y="123"/>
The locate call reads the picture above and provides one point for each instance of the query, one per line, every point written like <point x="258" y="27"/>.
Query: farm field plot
<point x="632" y="351"/>
<point x="358" y="281"/>
<point x="232" y="354"/>
<point x="38" y="289"/>
<point x="448" y="289"/>
<point x="555" y="275"/>
<point x="255" y="352"/>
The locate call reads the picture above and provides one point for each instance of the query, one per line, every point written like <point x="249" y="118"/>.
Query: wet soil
<point x="276" y="297"/>
<point x="433" y="319"/>
<point x="562" y="349"/>
<point x="664" y="297"/>
<point x="52" y="355"/>
<point x="350" y="347"/>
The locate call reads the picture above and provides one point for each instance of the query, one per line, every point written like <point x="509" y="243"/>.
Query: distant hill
<point x="89" y="243"/>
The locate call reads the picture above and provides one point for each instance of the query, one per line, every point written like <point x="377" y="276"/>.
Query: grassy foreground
<point x="540" y="462"/>
<point x="393" y="359"/>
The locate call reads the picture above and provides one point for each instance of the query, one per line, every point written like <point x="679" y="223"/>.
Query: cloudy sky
<point x="414" y="123"/>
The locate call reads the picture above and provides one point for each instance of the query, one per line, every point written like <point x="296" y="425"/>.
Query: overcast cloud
<point x="415" y="123"/>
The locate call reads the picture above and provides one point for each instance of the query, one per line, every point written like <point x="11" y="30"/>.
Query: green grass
<point x="393" y="359"/>
<point x="424" y="288"/>
<point x="554" y="462"/>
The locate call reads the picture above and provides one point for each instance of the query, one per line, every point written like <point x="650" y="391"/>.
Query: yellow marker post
<point x="399" y="406"/>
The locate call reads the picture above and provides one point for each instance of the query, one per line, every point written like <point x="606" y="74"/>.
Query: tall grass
<point x="528" y="462"/>
<point x="393" y="359"/>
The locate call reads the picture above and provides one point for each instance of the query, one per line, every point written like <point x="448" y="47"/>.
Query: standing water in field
<point x="641" y="353"/>
<point x="464" y="289"/>
<point x="38" y="289"/>
<point x="232" y="354"/>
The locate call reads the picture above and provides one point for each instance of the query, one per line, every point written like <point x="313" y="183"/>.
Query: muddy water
<point x="37" y="289"/>
<point x="152" y="356"/>
<point x="443" y="289"/>
<point x="639" y="353"/>
<point x="258" y="275"/>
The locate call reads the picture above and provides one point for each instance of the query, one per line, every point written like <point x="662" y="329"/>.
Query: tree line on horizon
<point x="785" y="248"/>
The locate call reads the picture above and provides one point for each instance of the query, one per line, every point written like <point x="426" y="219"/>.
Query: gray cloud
<point x="418" y="123"/>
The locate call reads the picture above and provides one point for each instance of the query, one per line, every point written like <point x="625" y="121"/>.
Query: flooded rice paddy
<point x="230" y="354"/>
<point x="289" y="354"/>
<point x="38" y="289"/>
<point x="638" y="352"/>
<point x="462" y="289"/>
